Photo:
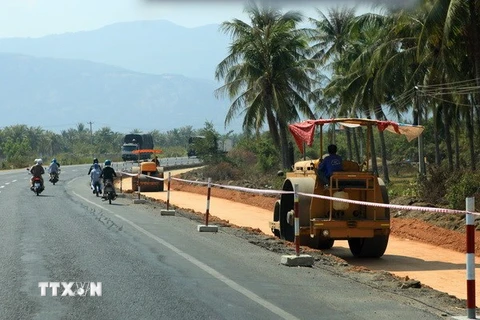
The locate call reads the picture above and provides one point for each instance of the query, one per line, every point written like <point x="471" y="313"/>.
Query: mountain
<point x="152" y="46"/>
<point x="58" y="93"/>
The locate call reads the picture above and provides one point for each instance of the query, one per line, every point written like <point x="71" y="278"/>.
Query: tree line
<point x="418" y="64"/>
<point x="21" y="144"/>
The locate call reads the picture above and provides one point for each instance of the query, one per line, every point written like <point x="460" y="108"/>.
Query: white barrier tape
<point x="143" y="175"/>
<point x="261" y="191"/>
<point x="154" y="178"/>
<point x="190" y="181"/>
<point x="373" y="204"/>
<point x="391" y="206"/>
<point x="129" y="174"/>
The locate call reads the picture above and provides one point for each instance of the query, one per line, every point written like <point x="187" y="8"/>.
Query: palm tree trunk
<point x="272" y="126"/>
<point x="456" y="133"/>
<point x="436" y="124"/>
<point x="448" y="137"/>
<point x="470" y="135"/>
<point x="284" y="148"/>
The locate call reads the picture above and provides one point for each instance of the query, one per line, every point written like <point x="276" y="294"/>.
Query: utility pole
<point x="91" y="138"/>
<point x="91" y="132"/>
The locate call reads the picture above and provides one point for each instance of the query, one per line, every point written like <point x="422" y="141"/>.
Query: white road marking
<point x="7" y="183"/>
<point x="232" y="284"/>
<point x="2" y="186"/>
<point x="14" y="180"/>
<point x="214" y="273"/>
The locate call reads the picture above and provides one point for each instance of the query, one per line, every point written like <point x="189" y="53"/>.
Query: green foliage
<point x="460" y="186"/>
<point x="207" y="149"/>
<point x="222" y="171"/>
<point x="173" y="151"/>
<point x="20" y="145"/>
<point x="266" y="155"/>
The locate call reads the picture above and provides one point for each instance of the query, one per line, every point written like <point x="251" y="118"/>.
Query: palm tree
<point x="331" y="39"/>
<point x="267" y="72"/>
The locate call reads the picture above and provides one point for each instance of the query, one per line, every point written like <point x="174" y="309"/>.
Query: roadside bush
<point x="432" y="187"/>
<point x="243" y="159"/>
<point x="462" y="185"/>
<point x="221" y="172"/>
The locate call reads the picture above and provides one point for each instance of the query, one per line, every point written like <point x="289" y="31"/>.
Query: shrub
<point x="461" y="185"/>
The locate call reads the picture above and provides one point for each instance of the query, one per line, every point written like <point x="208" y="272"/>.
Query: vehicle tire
<point x="368" y="247"/>
<point x="323" y="243"/>
<point x="287" y="231"/>
<point x="276" y="217"/>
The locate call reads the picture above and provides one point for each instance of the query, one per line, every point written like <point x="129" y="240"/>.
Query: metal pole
<point x="138" y="183"/>
<point x="208" y="201"/>
<point x="168" y="190"/>
<point x="297" y="222"/>
<point x="470" y="231"/>
<point x="421" y="153"/>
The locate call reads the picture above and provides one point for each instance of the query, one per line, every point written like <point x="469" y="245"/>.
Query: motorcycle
<point x="54" y="177"/>
<point x="109" y="191"/>
<point x="96" y="187"/>
<point x="37" y="187"/>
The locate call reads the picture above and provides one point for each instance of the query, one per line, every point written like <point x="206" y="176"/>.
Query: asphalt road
<point x="155" y="267"/>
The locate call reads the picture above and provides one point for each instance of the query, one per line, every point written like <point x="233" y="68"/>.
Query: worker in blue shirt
<point x="331" y="163"/>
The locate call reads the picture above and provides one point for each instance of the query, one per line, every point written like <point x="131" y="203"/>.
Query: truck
<point x="350" y="207"/>
<point x="136" y="141"/>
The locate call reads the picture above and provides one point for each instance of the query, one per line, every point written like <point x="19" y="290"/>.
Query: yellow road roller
<point x="337" y="210"/>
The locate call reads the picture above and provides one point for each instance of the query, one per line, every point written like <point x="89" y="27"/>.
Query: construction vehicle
<point x="136" y="141"/>
<point x="321" y="218"/>
<point x="142" y="182"/>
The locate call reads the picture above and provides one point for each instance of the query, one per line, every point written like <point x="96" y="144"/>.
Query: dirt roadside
<point x="411" y="265"/>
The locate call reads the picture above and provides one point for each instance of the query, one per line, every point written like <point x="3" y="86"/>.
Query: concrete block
<point x="209" y="228"/>
<point x="138" y="201"/>
<point x="165" y="212"/>
<point x="303" y="260"/>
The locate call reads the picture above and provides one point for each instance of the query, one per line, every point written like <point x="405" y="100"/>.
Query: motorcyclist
<point x="95" y="175"/>
<point x="37" y="171"/>
<point x="53" y="168"/>
<point x="58" y="163"/>
<point x="108" y="173"/>
<point x="95" y="161"/>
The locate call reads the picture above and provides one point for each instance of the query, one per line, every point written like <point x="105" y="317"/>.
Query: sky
<point x="37" y="18"/>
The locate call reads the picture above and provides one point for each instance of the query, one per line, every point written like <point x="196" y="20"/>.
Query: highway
<point x="152" y="267"/>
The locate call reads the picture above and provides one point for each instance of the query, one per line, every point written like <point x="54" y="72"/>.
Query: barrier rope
<point x="279" y="192"/>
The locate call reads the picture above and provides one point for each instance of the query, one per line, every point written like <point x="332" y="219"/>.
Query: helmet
<point x="95" y="160"/>
<point x="108" y="162"/>
<point x="96" y="166"/>
<point x="39" y="161"/>
<point x="54" y="160"/>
